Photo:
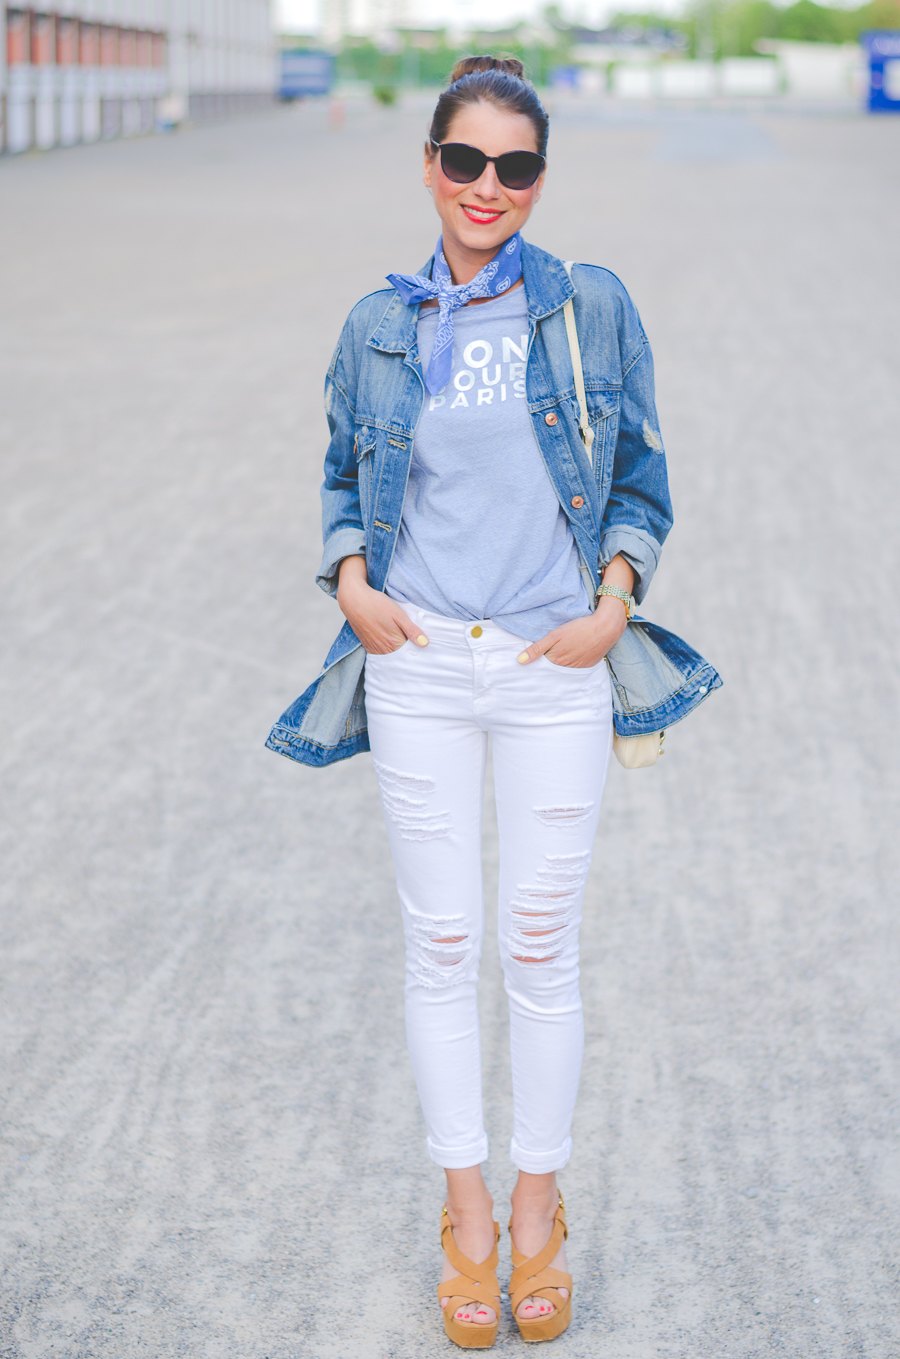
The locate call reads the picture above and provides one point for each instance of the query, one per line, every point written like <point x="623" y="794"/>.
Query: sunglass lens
<point x="519" y="169"/>
<point x="462" y="163"/>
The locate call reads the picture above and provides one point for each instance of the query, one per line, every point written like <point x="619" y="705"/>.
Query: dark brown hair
<point x="496" y="80"/>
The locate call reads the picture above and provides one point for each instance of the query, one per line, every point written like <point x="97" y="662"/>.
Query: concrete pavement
<point x="209" y="1139"/>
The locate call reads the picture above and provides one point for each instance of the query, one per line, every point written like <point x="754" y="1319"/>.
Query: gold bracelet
<point x="626" y="598"/>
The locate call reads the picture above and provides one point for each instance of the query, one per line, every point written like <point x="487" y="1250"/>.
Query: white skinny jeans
<point x="429" y="713"/>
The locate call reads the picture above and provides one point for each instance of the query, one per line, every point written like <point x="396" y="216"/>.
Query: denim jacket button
<point x="551" y="418"/>
<point x="577" y="501"/>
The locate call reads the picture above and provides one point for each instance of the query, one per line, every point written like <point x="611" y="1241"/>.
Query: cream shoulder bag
<point x="634" y="752"/>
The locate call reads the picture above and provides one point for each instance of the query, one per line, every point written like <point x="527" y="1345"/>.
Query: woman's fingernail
<point x="523" y="656"/>
<point x="422" y="640"/>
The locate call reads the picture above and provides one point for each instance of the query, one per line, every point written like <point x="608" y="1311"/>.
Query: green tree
<point x="876" y="14"/>
<point x="806" y="21"/>
<point x="624" y="18"/>
<point x="742" y="23"/>
<point x="553" y="17"/>
<point x="683" y="23"/>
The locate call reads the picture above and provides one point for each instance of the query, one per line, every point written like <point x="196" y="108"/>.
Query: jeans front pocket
<point x="574" y="669"/>
<point x="370" y="655"/>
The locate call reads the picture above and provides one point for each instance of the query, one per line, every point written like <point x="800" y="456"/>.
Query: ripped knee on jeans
<point x="441" y="950"/>
<point x="549" y="903"/>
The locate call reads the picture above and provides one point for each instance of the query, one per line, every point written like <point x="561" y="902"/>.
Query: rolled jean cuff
<point x="540" y="1162"/>
<point x="458" y="1158"/>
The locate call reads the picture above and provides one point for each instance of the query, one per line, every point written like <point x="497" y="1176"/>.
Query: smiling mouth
<point x="480" y="214"/>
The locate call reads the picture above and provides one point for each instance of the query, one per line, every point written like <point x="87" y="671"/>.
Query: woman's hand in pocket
<point x="380" y="623"/>
<point x="582" y="642"/>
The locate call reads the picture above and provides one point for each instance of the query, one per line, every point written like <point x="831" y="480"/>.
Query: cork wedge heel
<point x="473" y="1282"/>
<point x="534" y="1276"/>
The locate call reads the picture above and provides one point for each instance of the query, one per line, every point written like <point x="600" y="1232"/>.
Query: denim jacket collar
<point x="544" y="278"/>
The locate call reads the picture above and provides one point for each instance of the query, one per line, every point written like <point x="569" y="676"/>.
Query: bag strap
<point x="587" y="434"/>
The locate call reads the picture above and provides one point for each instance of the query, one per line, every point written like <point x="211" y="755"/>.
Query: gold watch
<point x="626" y="598"/>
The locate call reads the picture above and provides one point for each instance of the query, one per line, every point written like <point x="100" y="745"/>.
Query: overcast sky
<point x="303" y="15"/>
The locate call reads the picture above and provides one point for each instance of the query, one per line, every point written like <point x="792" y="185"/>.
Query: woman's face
<point x="478" y="217"/>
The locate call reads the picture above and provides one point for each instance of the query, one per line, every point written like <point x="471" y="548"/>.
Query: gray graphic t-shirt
<point x="483" y="534"/>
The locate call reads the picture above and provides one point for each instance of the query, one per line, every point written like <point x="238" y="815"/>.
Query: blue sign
<point x="564" y="77"/>
<point x="883" y="51"/>
<point x="305" y="71"/>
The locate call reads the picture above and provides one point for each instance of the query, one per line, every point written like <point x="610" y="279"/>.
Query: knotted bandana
<point x="497" y="276"/>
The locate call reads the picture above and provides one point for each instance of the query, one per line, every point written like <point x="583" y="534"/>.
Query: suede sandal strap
<point x="468" y="1289"/>
<point x="462" y="1263"/>
<point x="533" y="1275"/>
<point x="536" y="1263"/>
<point x="475" y="1279"/>
<point x="546" y="1284"/>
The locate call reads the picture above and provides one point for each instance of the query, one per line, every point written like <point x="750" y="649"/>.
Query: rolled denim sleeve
<point x="638" y="512"/>
<point x="342" y="527"/>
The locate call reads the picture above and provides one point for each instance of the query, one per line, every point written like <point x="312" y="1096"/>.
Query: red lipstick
<point x="482" y="221"/>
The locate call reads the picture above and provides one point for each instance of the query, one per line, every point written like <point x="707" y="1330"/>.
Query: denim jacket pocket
<point x="603" y="413"/>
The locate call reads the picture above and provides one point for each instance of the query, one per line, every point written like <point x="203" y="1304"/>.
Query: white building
<point x="87" y="70"/>
<point x="363" y="18"/>
<point x="819" y="70"/>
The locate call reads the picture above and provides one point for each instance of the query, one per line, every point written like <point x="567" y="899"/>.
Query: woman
<point x="465" y="535"/>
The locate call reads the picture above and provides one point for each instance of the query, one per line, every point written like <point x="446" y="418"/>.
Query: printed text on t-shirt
<point x="486" y="377"/>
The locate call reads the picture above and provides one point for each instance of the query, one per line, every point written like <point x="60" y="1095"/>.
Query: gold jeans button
<point x="476" y="631"/>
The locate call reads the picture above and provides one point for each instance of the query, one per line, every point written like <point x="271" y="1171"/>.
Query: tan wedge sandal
<point x="473" y="1282"/>
<point x="533" y="1276"/>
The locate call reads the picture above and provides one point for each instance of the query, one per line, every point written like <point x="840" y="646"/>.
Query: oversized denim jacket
<point x="374" y="393"/>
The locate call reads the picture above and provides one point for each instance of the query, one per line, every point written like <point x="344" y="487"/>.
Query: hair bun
<point x="488" y="79"/>
<point x="509" y="65"/>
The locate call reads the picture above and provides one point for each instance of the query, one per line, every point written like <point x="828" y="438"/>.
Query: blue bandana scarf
<point x="497" y="276"/>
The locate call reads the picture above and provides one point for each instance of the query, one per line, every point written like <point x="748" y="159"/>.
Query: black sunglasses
<point x="464" y="164"/>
